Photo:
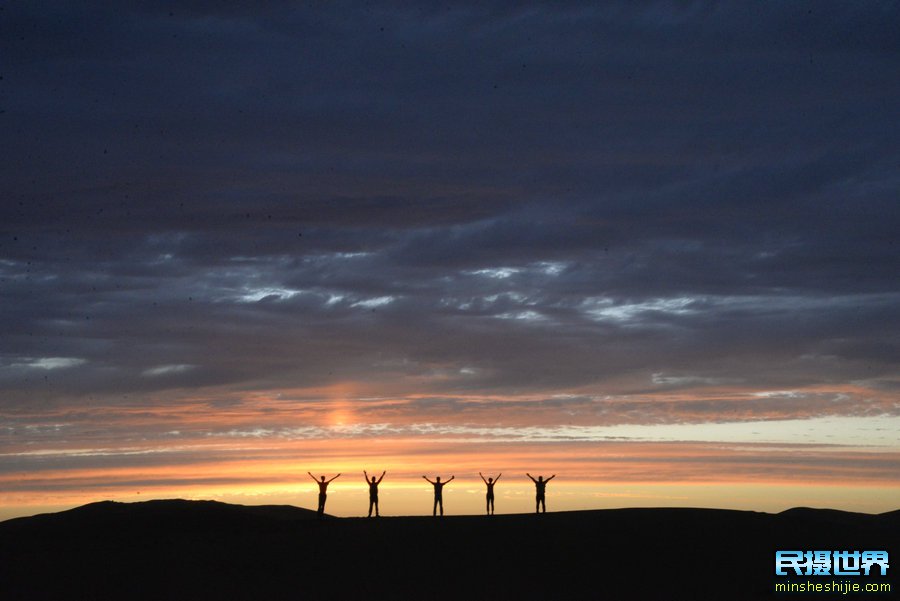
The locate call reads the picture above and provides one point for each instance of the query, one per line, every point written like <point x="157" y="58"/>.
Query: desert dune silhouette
<point x="187" y="550"/>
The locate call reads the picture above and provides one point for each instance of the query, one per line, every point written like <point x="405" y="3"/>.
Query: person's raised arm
<point x="550" y="478"/>
<point x="382" y="477"/>
<point x="482" y="477"/>
<point x="532" y="479"/>
<point x="450" y="480"/>
<point x="427" y="480"/>
<point x="311" y="476"/>
<point x="365" y="476"/>
<point x="334" y="477"/>
<point x="497" y="478"/>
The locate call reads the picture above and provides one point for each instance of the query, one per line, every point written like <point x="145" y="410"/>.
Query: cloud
<point x="163" y="370"/>
<point x="47" y="363"/>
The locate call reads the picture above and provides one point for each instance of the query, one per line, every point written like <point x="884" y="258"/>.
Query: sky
<point x="649" y="247"/>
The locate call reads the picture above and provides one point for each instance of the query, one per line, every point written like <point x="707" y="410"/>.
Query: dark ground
<point x="165" y="550"/>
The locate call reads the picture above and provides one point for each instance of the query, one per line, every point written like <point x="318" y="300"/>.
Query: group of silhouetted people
<point x="540" y="486"/>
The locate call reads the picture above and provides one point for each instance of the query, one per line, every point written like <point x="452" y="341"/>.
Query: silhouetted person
<point x="323" y="486"/>
<point x="490" y="482"/>
<point x="540" y="486"/>
<point x="373" y="491"/>
<point x="438" y="490"/>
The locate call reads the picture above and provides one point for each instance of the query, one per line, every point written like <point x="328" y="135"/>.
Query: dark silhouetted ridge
<point x="208" y="550"/>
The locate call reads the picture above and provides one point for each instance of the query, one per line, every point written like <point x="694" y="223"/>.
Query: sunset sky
<point x="649" y="247"/>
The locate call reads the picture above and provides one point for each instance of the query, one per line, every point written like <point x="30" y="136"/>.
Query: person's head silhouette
<point x="323" y="478"/>
<point x="438" y="478"/>
<point x="490" y="480"/>
<point x="540" y="478"/>
<point x="373" y="479"/>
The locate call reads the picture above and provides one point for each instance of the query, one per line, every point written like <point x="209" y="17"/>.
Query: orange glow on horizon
<point x="258" y="446"/>
<point x="599" y="475"/>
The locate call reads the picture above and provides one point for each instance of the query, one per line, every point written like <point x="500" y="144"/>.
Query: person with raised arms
<point x="373" y="491"/>
<point x="540" y="486"/>
<point x="438" y="492"/>
<point x="323" y="486"/>
<point x="490" y="482"/>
